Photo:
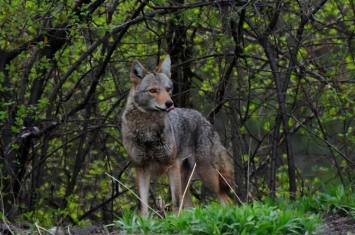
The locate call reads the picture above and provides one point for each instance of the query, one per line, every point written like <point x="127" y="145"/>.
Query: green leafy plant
<point x="254" y="218"/>
<point x="332" y="200"/>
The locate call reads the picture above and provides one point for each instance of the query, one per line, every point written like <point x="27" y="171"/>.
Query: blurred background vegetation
<point x="276" y="78"/>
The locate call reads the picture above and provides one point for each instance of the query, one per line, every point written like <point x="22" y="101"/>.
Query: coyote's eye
<point x="153" y="90"/>
<point x="168" y="89"/>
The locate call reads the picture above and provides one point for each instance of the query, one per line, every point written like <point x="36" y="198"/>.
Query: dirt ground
<point x="338" y="225"/>
<point x="335" y="224"/>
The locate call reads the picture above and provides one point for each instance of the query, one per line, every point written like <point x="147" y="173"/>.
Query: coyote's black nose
<point x="169" y="105"/>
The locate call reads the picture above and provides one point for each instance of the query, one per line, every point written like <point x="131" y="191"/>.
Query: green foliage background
<point x="64" y="69"/>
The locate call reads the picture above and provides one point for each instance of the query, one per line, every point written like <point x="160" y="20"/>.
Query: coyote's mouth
<point x="166" y="109"/>
<point x="170" y="108"/>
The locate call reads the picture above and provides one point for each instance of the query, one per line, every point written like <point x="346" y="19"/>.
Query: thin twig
<point x="235" y="194"/>
<point x="39" y="228"/>
<point x="248" y="169"/>
<point x="186" y="188"/>
<point x="155" y="212"/>
<point x="3" y="212"/>
<point x="39" y="231"/>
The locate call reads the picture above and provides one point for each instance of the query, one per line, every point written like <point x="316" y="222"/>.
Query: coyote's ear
<point x="138" y="72"/>
<point x="165" y="66"/>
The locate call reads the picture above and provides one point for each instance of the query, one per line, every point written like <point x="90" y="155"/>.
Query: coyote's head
<point x="152" y="90"/>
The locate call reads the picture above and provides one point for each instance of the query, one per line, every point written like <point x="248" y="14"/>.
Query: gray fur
<point x="161" y="142"/>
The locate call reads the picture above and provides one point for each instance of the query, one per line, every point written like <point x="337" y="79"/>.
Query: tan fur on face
<point x="161" y="96"/>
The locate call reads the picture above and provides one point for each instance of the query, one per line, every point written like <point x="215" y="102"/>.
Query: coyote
<point x="160" y="138"/>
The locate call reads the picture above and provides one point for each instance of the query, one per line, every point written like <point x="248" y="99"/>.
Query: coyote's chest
<point x="151" y="141"/>
<point x="153" y="145"/>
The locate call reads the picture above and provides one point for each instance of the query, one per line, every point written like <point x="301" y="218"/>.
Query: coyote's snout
<point x="160" y="138"/>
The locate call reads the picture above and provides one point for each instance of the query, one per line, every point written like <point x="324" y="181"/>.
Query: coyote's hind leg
<point x="175" y="186"/>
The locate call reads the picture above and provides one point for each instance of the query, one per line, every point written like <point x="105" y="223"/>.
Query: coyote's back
<point x="160" y="138"/>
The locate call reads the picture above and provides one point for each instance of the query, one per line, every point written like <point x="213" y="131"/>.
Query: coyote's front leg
<point x="143" y="182"/>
